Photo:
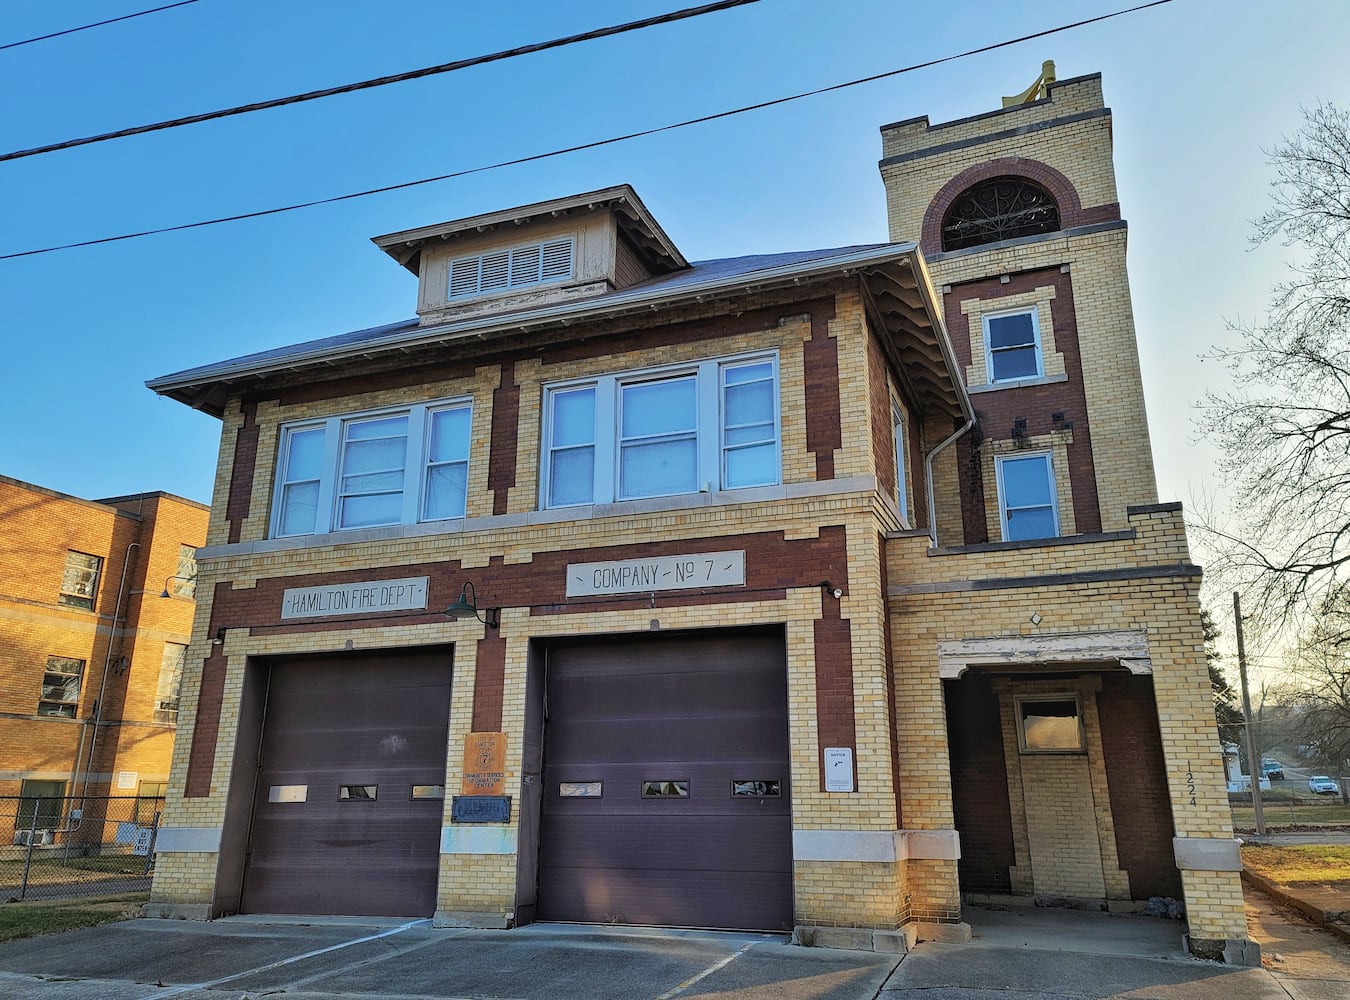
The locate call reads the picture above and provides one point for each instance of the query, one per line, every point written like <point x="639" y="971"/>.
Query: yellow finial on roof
<point x="1037" y="90"/>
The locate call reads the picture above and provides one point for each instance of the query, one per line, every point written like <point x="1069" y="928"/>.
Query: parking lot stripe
<point x="671" y="994"/>
<point x="189" y="987"/>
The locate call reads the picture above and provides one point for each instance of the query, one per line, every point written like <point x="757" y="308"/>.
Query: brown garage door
<point x="347" y="815"/>
<point x="666" y="797"/>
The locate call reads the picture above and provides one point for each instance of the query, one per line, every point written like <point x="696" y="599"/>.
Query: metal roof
<point x="898" y="291"/>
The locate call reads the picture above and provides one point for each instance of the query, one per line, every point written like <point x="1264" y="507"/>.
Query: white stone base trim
<point x="188" y="840"/>
<point x="461" y="839"/>
<point x="1206" y="854"/>
<point x="1126" y="647"/>
<point x="876" y="846"/>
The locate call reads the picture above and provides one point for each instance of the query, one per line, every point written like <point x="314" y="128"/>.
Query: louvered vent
<point x="532" y="264"/>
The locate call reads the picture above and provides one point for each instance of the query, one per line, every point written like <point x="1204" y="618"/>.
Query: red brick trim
<point x="489" y="684"/>
<point x="835" y="722"/>
<point x="210" y="701"/>
<point x="240" y="500"/>
<point x="820" y="361"/>
<point x="1071" y="211"/>
<point x="502" y="456"/>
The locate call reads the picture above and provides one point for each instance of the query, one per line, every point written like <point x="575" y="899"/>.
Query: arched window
<point x="1000" y="208"/>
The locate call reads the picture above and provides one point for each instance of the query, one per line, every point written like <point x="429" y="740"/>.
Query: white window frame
<point x="1021" y="699"/>
<point x="710" y="427"/>
<point x="899" y="432"/>
<point x="989" y="351"/>
<point x="1049" y="459"/>
<point x="413" y="506"/>
<point x="512" y="267"/>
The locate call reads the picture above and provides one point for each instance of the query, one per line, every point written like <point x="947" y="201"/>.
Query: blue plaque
<point x="480" y="809"/>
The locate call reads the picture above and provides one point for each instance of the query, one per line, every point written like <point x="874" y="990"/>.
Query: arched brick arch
<point x="1071" y="211"/>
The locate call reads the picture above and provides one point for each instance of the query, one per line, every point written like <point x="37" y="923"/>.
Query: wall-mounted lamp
<point x="219" y="637"/>
<point x="830" y="589"/>
<point x="185" y="579"/>
<point x="467" y="607"/>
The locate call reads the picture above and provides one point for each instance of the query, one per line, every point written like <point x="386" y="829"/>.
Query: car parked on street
<point x="1322" y="785"/>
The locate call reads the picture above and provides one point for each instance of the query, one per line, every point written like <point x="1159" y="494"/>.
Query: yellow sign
<point x="484" y="764"/>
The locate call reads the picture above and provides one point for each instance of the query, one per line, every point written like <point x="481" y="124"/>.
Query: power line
<point x="581" y="146"/>
<point x="96" y="24"/>
<point x="382" y="81"/>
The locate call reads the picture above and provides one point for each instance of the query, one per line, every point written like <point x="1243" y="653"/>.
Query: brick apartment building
<point x="823" y="590"/>
<point x="91" y="657"/>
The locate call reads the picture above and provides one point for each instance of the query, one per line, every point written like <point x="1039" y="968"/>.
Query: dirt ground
<point x="1291" y="945"/>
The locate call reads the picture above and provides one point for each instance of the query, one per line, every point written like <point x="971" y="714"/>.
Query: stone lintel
<point x="1119" y="647"/>
<point x="1206" y="854"/>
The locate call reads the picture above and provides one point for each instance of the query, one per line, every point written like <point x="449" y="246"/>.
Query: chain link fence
<point x="65" y="847"/>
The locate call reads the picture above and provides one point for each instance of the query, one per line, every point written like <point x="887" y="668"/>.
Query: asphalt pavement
<point x="1015" y="954"/>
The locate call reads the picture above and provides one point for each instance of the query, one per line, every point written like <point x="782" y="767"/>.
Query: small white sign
<point x="126" y="779"/>
<point x="838" y="769"/>
<point x="142" y="847"/>
<point x="639" y="576"/>
<point x="408" y="594"/>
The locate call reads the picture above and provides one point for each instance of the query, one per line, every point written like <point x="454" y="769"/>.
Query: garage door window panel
<point x="373" y="470"/>
<point x="709" y="425"/>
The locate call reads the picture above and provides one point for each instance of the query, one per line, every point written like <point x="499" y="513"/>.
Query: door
<point x="666" y="796"/>
<point x="347" y="812"/>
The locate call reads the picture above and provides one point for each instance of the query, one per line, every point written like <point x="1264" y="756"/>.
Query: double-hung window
<point x="79" y="580"/>
<point x="60" y="695"/>
<point x="368" y="470"/>
<point x="170" y="684"/>
<point x="1026" y="497"/>
<point x="708" y="425"/>
<point x="1013" y="345"/>
<point x="898" y="430"/>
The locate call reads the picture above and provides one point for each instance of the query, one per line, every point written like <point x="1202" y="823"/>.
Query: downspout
<point x="107" y="662"/>
<point x="928" y="476"/>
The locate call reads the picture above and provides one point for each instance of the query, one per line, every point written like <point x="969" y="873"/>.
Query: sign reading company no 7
<point x="632" y="576"/>
<point x="409" y="594"/>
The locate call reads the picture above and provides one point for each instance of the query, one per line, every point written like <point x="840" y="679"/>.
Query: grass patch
<point x="1288" y="813"/>
<point x="1300" y="864"/>
<point x="22" y="920"/>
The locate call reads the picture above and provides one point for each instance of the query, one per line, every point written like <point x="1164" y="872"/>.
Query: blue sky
<point x="1197" y="90"/>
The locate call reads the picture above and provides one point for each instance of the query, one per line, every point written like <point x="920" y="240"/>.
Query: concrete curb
<point x="1285" y="895"/>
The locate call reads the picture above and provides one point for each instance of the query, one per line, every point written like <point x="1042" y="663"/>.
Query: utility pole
<point x="1253" y="762"/>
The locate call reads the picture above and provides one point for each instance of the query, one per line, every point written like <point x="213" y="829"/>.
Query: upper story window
<point x="184" y="582"/>
<point x="61" y="687"/>
<point x="710" y="425"/>
<point x="170" y="684"/>
<point x="899" y="432"/>
<point x="373" y="469"/>
<point x="79" y="580"/>
<point x="1000" y="208"/>
<point x="1027" y="502"/>
<point x="514" y="267"/>
<point x="1012" y="345"/>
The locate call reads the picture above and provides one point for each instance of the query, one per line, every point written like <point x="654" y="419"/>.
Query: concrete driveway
<point x="1015" y="956"/>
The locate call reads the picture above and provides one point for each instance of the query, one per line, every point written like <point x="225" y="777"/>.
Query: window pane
<point x="305" y="459"/>
<point x="658" y="407"/>
<point x="1026" y="482"/>
<point x="659" y="468"/>
<point x="371" y="510"/>
<point x="756" y="466"/>
<point x="571" y="476"/>
<point x="749" y="404"/>
<point x="374" y="482"/>
<point x="736" y="374"/>
<point x="1011" y="331"/>
<point x="1017" y="363"/>
<point x="374" y="456"/>
<point x="750" y="434"/>
<point x="1051" y="725"/>
<point x="447" y="486"/>
<point x="450" y="435"/>
<point x="573" y="417"/>
<point x="299" y="504"/>
<point x="1033" y="522"/>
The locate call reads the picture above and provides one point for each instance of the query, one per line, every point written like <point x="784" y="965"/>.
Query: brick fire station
<point x="824" y="591"/>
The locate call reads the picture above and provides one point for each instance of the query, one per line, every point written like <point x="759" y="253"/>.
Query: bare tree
<point x="1322" y="668"/>
<point x="1285" y="429"/>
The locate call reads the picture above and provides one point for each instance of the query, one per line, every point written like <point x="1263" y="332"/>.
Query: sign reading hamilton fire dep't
<point x="638" y="576"/>
<point x="409" y="594"/>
